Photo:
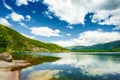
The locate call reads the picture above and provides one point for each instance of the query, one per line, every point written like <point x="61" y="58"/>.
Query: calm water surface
<point x="76" y="66"/>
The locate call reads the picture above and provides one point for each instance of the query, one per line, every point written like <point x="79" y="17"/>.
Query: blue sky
<point x="64" y="22"/>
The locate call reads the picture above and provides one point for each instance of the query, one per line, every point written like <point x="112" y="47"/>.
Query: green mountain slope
<point x="108" y="47"/>
<point x="12" y="41"/>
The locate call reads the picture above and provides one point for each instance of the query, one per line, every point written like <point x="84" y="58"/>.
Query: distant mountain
<point x="70" y="47"/>
<point x="12" y="41"/>
<point x="106" y="47"/>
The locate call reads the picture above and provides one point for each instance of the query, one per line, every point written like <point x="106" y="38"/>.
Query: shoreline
<point x="11" y="64"/>
<point x="7" y="71"/>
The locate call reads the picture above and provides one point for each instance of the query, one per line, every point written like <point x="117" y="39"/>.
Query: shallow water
<point x="76" y="66"/>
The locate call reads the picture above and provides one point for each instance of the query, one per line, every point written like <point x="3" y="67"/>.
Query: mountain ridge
<point x="113" y="46"/>
<point x="12" y="41"/>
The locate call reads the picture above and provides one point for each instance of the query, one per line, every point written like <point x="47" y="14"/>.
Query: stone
<point x="6" y="57"/>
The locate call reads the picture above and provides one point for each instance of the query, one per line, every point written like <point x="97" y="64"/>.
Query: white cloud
<point x="74" y="11"/>
<point x="70" y="27"/>
<point x="23" y="24"/>
<point x="64" y="43"/>
<point x="89" y="38"/>
<point x="7" y="6"/>
<point x="67" y="11"/>
<point x="21" y="2"/>
<point x="109" y="17"/>
<point x="44" y="31"/>
<point x="47" y="14"/>
<point x="68" y="34"/>
<point x="4" y="22"/>
<point x="24" y="2"/>
<point x="28" y="17"/>
<point x="16" y="17"/>
<point x="33" y="1"/>
<point x="32" y="37"/>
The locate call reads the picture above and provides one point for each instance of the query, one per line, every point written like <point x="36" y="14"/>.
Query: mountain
<point x="106" y="47"/>
<point x="70" y="47"/>
<point x="12" y="41"/>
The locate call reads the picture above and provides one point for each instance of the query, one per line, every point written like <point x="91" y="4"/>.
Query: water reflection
<point x="76" y="67"/>
<point x="43" y="75"/>
<point x="94" y="64"/>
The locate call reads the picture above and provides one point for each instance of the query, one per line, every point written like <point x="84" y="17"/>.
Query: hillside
<point x="107" y="47"/>
<point x="12" y="41"/>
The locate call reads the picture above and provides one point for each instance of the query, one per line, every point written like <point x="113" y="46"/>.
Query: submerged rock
<point x="6" y="57"/>
<point x="43" y="74"/>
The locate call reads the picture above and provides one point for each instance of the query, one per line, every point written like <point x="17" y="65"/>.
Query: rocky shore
<point x="11" y="64"/>
<point x="8" y="67"/>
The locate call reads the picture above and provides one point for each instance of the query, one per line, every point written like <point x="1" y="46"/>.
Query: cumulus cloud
<point x="21" y="2"/>
<point x="24" y="2"/>
<point x="67" y="11"/>
<point x="74" y="11"/>
<point x="16" y="17"/>
<point x="105" y="17"/>
<point x="28" y="17"/>
<point x="89" y="38"/>
<point x="44" y="31"/>
<point x="4" y="22"/>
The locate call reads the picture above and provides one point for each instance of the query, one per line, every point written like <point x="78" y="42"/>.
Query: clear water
<point x="76" y="66"/>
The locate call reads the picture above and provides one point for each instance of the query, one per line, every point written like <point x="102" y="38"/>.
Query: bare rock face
<point x="6" y="57"/>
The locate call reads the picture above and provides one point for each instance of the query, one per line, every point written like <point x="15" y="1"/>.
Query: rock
<point x="22" y="63"/>
<point x="4" y="64"/>
<point x="6" y="57"/>
<point x="8" y="75"/>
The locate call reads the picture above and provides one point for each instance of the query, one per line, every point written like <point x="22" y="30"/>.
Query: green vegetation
<point x="32" y="59"/>
<point x="107" y="47"/>
<point x="12" y="41"/>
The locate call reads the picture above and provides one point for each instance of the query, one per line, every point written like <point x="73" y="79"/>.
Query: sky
<point x="64" y="22"/>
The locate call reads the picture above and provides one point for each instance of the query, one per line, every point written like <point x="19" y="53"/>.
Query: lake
<point x="76" y="66"/>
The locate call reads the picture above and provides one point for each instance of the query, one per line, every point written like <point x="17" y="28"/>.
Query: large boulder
<point x="6" y="57"/>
